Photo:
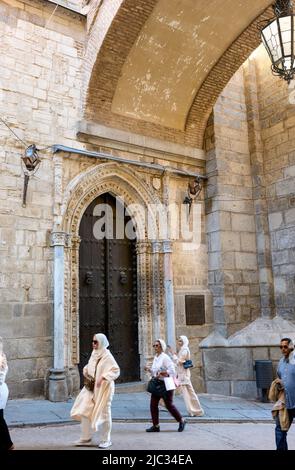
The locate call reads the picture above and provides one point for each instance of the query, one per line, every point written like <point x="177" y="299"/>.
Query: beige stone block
<point x="246" y="261"/>
<point x="24" y="252"/>
<point x="20" y="237"/>
<point x="230" y="241"/>
<point x="272" y="131"/>
<point x="285" y="187"/>
<point x="290" y="173"/>
<point x="243" y="223"/>
<point x="228" y="260"/>
<point x="260" y="353"/>
<point x="290" y="216"/>
<point x="248" y="242"/>
<point x="290" y="122"/>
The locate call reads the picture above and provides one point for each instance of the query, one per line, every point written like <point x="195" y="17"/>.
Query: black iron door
<point x="108" y="288"/>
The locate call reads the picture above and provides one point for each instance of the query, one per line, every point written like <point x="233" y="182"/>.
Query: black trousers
<point x="5" y="441"/>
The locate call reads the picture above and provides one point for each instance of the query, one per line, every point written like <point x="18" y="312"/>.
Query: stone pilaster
<point x="259" y="193"/>
<point x="58" y="390"/>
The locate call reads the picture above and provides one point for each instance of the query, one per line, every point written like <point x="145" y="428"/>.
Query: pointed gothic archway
<point x="154" y="297"/>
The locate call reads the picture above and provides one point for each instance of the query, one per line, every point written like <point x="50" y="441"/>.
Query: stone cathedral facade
<point x="141" y="107"/>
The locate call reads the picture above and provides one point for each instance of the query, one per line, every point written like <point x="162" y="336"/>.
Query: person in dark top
<point x="286" y="374"/>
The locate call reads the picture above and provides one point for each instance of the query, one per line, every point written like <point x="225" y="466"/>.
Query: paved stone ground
<point x="132" y="436"/>
<point x="134" y="407"/>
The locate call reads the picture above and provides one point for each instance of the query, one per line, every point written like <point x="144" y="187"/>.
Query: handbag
<point x="89" y="381"/>
<point x="169" y="383"/>
<point x="187" y="364"/>
<point x="156" y="387"/>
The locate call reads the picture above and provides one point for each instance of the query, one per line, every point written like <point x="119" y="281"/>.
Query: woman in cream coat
<point x="5" y="440"/>
<point x="93" y="409"/>
<point x="191" y="400"/>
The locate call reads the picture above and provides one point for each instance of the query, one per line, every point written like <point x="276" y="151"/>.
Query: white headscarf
<point x="97" y="353"/>
<point x="163" y="344"/>
<point x="102" y="344"/>
<point x="185" y="341"/>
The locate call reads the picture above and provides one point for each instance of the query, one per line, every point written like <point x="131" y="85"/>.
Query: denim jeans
<point x="281" y="436"/>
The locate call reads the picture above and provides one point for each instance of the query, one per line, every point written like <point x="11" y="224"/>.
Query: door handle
<point x="123" y="277"/>
<point x="88" y="278"/>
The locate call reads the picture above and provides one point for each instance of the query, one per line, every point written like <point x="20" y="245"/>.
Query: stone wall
<point x="250" y="225"/>
<point x="39" y="99"/>
<point x="277" y="121"/>
<point x="233" y="276"/>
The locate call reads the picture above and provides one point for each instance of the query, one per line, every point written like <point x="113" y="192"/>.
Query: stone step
<point x="131" y="387"/>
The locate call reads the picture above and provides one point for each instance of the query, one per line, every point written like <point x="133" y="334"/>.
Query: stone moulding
<point x="80" y="192"/>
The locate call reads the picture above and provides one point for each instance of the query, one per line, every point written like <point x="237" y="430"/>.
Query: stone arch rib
<point x="219" y="76"/>
<point x="108" y="177"/>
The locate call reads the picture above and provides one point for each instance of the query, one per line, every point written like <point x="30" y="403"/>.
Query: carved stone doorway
<point x="108" y="285"/>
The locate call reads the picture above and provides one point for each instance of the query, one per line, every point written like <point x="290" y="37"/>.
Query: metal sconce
<point x="278" y="37"/>
<point x="194" y="189"/>
<point x="31" y="162"/>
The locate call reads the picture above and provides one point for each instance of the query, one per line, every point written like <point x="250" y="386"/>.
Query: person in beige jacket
<point x="93" y="409"/>
<point x="191" y="400"/>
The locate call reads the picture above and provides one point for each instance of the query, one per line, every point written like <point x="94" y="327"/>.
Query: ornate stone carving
<point x="60" y="239"/>
<point x="127" y="184"/>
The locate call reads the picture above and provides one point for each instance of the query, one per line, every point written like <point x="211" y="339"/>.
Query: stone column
<point x="144" y="312"/>
<point x="58" y="390"/>
<point x="169" y="294"/>
<point x="156" y="289"/>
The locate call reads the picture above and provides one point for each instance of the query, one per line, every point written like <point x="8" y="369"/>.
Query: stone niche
<point x="229" y="364"/>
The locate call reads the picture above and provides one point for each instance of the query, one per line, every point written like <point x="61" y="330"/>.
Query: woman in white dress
<point x="5" y="440"/>
<point x="191" y="400"/>
<point x="93" y="408"/>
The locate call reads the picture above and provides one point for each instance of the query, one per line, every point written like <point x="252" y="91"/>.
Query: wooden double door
<point x="108" y="285"/>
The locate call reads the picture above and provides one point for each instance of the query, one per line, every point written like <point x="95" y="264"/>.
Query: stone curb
<point x="145" y="420"/>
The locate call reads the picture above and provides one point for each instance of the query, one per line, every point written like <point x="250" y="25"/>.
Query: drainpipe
<point x="105" y="156"/>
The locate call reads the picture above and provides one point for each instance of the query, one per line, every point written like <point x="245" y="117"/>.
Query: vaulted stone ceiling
<point x="176" y="49"/>
<point x="155" y="60"/>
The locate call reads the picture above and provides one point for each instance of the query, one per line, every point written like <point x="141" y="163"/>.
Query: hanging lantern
<point x="31" y="162"/>
<point x="278" y="38"/>
<point x="31" y="158"/>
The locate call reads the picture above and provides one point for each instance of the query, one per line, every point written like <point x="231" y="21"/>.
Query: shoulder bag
<point x="89" y="381"/>
<point x="156" y="387"/>
<point x="187" y="364"/>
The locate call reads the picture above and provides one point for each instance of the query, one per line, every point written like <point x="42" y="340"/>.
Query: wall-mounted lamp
<point x="31" y="162"/>
<point x="194" y="188"/>
<point x="278" y="37"/>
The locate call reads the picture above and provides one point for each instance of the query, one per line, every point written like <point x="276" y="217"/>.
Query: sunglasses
<point x="94" y="341"/>
<point x="284" y="347"/>
<point x="156" y="345"/>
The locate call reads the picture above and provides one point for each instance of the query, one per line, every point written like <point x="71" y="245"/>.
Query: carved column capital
<point x="142" y="247"/>
<point x="156" y="247"/>
<point x="60" y="239"/>
<point x="167" y="246"/>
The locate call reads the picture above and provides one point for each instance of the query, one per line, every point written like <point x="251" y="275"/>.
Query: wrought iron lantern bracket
<point x="193" y="191"/>
<point x="278" y="36"/>
<point x="30" y="162"/>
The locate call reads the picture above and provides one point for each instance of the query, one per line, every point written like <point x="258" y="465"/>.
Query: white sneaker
<point x="83" y="443"/>
<point x="104" y="444"/>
